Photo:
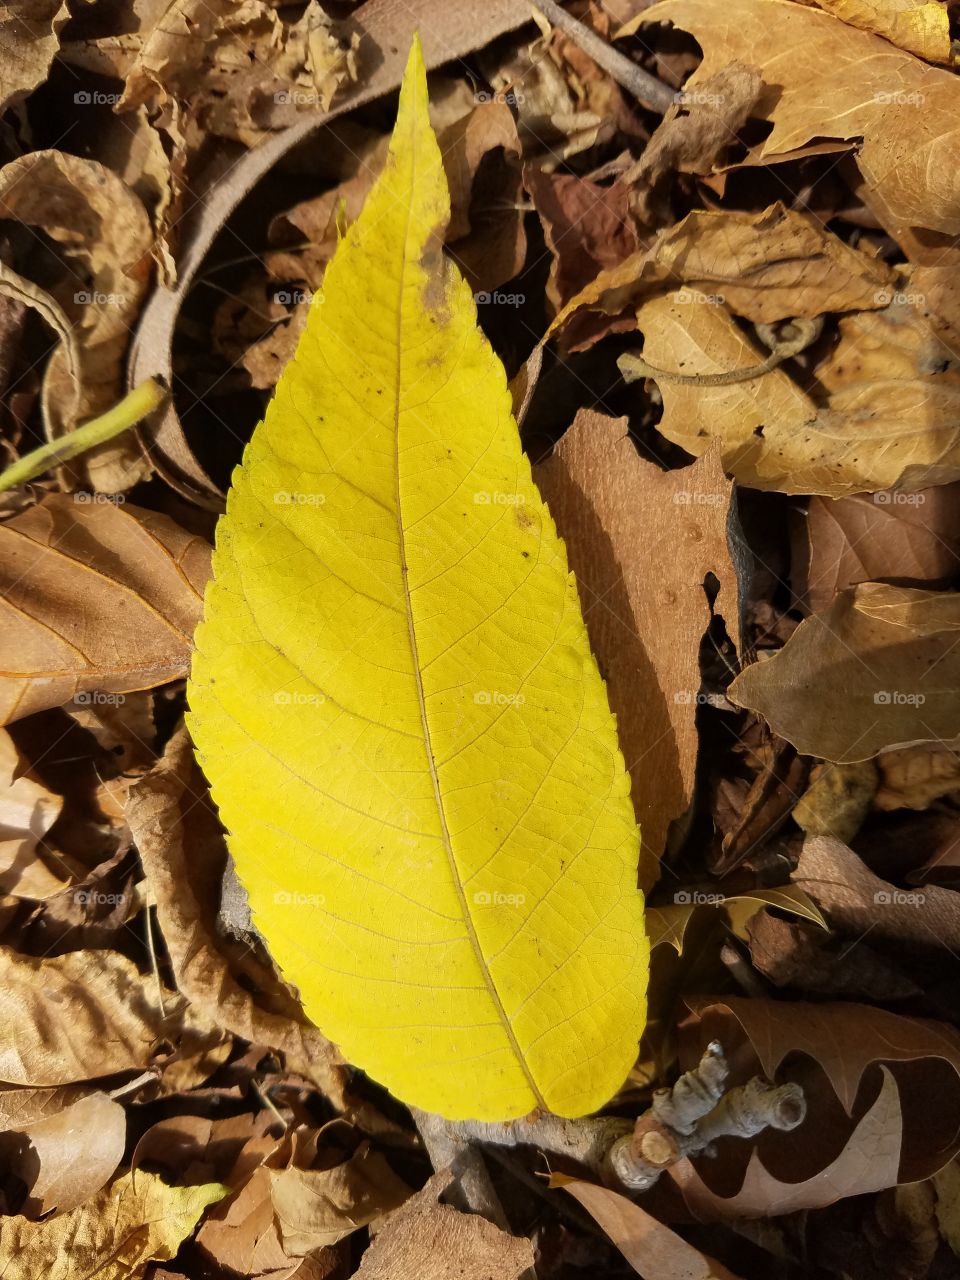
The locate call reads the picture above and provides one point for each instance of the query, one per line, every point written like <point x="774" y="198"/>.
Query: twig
<point x="641" y="84"/>
<point x="634" y="367"/>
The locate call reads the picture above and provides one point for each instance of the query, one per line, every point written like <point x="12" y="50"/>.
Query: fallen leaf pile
<point x="731" y="327"/>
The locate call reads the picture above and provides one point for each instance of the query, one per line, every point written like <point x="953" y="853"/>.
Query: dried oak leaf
<point x="29" y="39"/>
<point x="105" y="237"/>
<point x="641" y="542"/>
<point x="883" y="659"/>
<point x="887" y="433"/>
<point x="113" y="1236"/>
<point x="434" y="1241"/>
<point x="768" y="266"/>
<point x="826" y="80"/>
<point x="919" y="26"/>
<point x="68" y="564"/>
<point x="181" y="845"/>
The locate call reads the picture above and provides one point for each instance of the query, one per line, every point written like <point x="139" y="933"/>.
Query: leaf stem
<point x="131" y="410"/>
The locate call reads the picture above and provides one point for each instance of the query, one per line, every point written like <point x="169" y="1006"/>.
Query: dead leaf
<point x="908" y="539"/>
<point x="914" y="777"/>
<point x="318" y="1207"/>
<point x="652" y="1249"/>
<point x="105" y="237"/>
<point x="436" y="1242"/>
<point x="69" y="563"/>
<point x="870" y="1161"/>
<point x="837" y="83"/>
<point x="27" y="812"/>
<point x="838" y="799"/>
<point x="64" y="1159"/>
<point x="113" y="1236"/>
<point x="29" y="38"/>
<point x="858" y="901"/>
<point x="882" y="658"/>
<point x="919" y="26"/>
<point x="641" y="541"/>
<point x="184" y="855"/>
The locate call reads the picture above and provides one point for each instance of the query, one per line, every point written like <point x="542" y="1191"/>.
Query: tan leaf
<point x="104" y="231"/>
<point x="318" y="1207"/>
<point x="181" y="845"/>
<point x="838" y="83"/>
<point x="434" y="1242"/>
<point x="641" y="542"/>
<point x="837" y="800"/>
<point x="914" y="777"/>
<point x="870" y="1161"/>
<point x="894" y="433"/>
<point x="652" y="1249"/>
<point x="66" y="565"/>
<point x="113" y="1236"/>
<point x="79" y="1016"/>
<point x="883" y="659"/>
<point x="919" y="26"/>
<point x="29" y="39"/>
<point x="27" y="811"/>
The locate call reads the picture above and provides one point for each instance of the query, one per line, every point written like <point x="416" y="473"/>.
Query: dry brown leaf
<point x="768" y="266"/>
<point x="870" y="1161"/>
<point x="113" y="1236"/>
<point x="641" y="541"/>
<point x="319" y="1207"/>
<point x="858" y="901"/>
<point x="652" y="1249"/>
<point x="64" y="1159"/>
<point x="243" y="1234"/>
<point x="83" y="1015"/>
<point x="876" y="434"/>
<point x="908" y="539"/>
<point x="837" y="800"/>
<point x="27" y="812"/>
<point x="181" y="845"/>
<point x="29" y="40"/>
<point x="914" y="777"/>
<point x="434" y="1241"/>
<point x="105" y="237"/>
<point x="838" y="83"/>
<point x="883" y="659"/>
<point x="68" y="564"/>
<point x="919" y="26"/>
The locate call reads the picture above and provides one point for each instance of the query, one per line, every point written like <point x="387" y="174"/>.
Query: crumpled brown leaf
<point x="435" y="1241"/>
<point x="29" y="40"/>
<point x="68" y="564"/>
<point x="181" y="845"/>
<point x="105" y="238"/>
<point x="641" y="541"/>
<point x="914" y="777"/>
<point x="883" y="659"/>
<point x="919" y="26"/>
<point x="113" y="1236"/>
<point x="837" y="83"/>
<point x="27" y="811"/>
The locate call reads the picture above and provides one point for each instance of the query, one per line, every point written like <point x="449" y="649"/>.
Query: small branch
<point x="634" y="367"/>
<point x="641" y="84"/>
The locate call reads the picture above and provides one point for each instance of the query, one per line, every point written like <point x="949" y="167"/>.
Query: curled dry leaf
<point x="837" y="83"/>
<point x="875" y="434"/>
<point x="113" y="1236"/>
<point x="914" y="777"/>
<point x="641" y="542"/>
<point x="105" y="237"/>
<point x="652" y="1249"/>
<point x="83" y="1015"/>
<point x="27" y="811"/>
<point x="773" y="265"/>
<point x="911" y="540"/>
<point x="434" y="1241"/>
<point x="184" y="856"/>
<point x="858" y="901"/>
<point x="884" y="659"/>
<point x="29" y="40"/>
<point x="919" y="26"/>
<point x="65" y="566"/>
<point x="65" y="1158"/>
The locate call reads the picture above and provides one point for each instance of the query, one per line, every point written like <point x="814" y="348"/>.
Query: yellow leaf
<point x="394" y="699"/>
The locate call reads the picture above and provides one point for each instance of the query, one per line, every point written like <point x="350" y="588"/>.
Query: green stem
<point x="131" y="409"/>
